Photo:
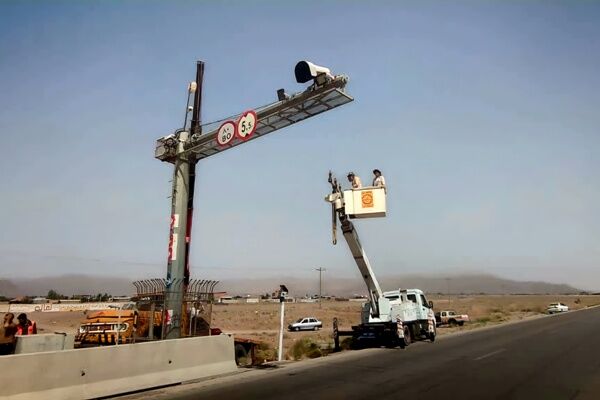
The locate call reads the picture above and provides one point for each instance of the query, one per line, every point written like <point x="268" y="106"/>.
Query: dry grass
<point x="261" y="321"/>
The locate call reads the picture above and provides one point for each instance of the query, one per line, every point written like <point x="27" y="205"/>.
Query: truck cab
<point x="406" y="304"/>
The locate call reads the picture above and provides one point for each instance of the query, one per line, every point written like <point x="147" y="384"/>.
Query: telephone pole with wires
<point x="321" y="270"/>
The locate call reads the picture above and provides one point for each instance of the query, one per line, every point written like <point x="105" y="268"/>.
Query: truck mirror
<point x="430" y="304"/>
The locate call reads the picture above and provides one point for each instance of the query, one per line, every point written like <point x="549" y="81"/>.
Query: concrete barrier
<point x="106" y="371"/>
<point x="44" y="342"/>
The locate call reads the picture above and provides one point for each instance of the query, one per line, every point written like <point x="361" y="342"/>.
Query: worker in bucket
<point x="25" y="326"/>
<point x="354" y="180"/>
<point x="378" y="180"/>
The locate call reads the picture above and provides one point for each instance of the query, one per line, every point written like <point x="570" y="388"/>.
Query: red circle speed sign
<point x="226" y="133"/>
<point x="246" y="125"/>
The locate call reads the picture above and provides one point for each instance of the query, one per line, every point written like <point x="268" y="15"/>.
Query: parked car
<point x="305" y="324"/>
<point x="451" y="318"/>
<point x="557" y="308"/>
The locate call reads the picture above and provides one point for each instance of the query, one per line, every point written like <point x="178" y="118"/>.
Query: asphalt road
<point x="555" y="357"/>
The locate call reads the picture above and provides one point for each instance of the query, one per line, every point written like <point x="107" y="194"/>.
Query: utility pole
<point x="184" y="148"/>
<point x="184" y="177"/>
<point x="321" y="270"/>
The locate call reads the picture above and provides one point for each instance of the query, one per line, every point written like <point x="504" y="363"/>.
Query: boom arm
<point x="351" y="235"/>
<point x="361" y="260"/>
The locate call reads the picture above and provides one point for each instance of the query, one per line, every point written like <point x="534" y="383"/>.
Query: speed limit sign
<point x="226" y="133"/>
<point x="246" y="125"/>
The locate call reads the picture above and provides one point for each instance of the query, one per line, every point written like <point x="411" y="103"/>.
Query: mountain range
<point x="457" y="284"/>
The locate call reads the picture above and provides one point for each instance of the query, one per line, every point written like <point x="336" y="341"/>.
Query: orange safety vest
<point x="31" y="329"/>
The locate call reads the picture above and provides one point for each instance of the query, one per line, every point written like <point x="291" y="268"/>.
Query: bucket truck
<point x="393" y="318"/>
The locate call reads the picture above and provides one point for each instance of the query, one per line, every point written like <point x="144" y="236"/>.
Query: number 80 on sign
<point x="226" y="133"/>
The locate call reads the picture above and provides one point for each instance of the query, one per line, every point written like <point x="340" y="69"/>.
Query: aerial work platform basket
<point x="367" y="202"/>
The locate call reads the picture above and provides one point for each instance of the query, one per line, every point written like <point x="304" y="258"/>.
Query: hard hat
<point x="350" y="173"/>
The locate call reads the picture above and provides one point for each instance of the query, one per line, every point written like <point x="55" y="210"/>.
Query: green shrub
<point x="346" y="343"/>
<point x="305" y="348"/>
<point x="264" y="353"/>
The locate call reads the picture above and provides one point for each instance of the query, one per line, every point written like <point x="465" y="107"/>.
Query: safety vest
<point x="31" y="329"/>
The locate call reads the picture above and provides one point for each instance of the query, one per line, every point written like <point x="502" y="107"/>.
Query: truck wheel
<point x="461" y="323"/>
<point x="452" y="322"/>
<point x="241" y="356"/>
<point x="406" y="340"/>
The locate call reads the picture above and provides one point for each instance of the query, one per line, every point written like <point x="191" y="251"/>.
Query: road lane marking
<point x="493" y="353"/>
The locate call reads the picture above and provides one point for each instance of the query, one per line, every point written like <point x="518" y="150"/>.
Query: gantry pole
<point x="184" y="148"/>
<point x="178" y="268"/>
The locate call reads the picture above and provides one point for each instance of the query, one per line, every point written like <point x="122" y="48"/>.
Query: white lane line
<point x="493" y="353"/>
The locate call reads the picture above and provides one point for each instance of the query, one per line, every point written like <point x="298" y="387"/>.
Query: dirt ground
<point x="261" y="321"/>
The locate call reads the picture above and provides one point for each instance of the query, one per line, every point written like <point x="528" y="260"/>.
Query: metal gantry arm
<point x="279" y="115"/>
<point x="295" y="108"/>
<point x="358" y="253"/>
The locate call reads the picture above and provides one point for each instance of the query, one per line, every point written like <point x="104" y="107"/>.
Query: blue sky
<point x="483" y="117"/>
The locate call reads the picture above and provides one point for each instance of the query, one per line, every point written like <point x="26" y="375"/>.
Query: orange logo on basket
<point x="367" y="199"/>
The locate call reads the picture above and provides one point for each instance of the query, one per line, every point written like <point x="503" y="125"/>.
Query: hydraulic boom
<point x="351" y="235"/>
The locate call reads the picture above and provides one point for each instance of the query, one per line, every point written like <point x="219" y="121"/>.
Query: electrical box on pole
<point x="185" y="147"/>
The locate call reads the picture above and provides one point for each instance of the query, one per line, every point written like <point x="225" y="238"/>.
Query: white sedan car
<point x="556" y="308"/>
<point x="308" y="324"/>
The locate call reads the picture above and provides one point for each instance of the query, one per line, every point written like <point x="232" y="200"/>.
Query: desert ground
<point x="261" y="321"/>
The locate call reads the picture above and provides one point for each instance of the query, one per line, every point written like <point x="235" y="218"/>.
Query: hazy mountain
<point x="7" y="288"/>
<point x="67" y="285"/>
<point x="468" y="284"/>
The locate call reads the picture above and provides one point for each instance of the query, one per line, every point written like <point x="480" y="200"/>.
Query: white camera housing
<point x="306" y="71"/>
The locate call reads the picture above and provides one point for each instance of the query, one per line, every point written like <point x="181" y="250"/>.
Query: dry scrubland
<point x="261" y="321"/>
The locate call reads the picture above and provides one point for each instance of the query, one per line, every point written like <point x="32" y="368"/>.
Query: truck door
<point x="424" y="307"/>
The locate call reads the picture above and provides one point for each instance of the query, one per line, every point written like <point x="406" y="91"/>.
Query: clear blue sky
<point x="483" y="116"/>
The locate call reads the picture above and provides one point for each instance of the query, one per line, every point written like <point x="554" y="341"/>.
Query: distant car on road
<point x="557" y="308"/>
<point x="305" y="324"/>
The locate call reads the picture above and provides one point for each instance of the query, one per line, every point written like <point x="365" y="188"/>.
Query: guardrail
<point x="107" y="371"/>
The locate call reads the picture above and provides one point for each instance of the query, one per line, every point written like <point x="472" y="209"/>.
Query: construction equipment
<point x="142" y="320"/>
<point x="393" y="318"/>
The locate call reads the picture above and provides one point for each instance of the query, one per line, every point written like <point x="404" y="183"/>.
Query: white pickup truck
<point x="554" y="308"/>
<point x="451" y="318"/>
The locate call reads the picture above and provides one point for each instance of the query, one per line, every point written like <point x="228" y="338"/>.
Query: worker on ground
<point x="378" y="180"/>
<point x="354" y="180"/>
<point x="25" y="326"/>
<point x="7" y="334"/>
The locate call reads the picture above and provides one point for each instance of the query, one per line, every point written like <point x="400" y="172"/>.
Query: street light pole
<point x="281" y="328"/>
<point x="283" y="292"/>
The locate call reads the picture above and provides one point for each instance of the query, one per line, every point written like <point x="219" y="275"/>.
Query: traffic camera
<point x="306" y="71"/>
